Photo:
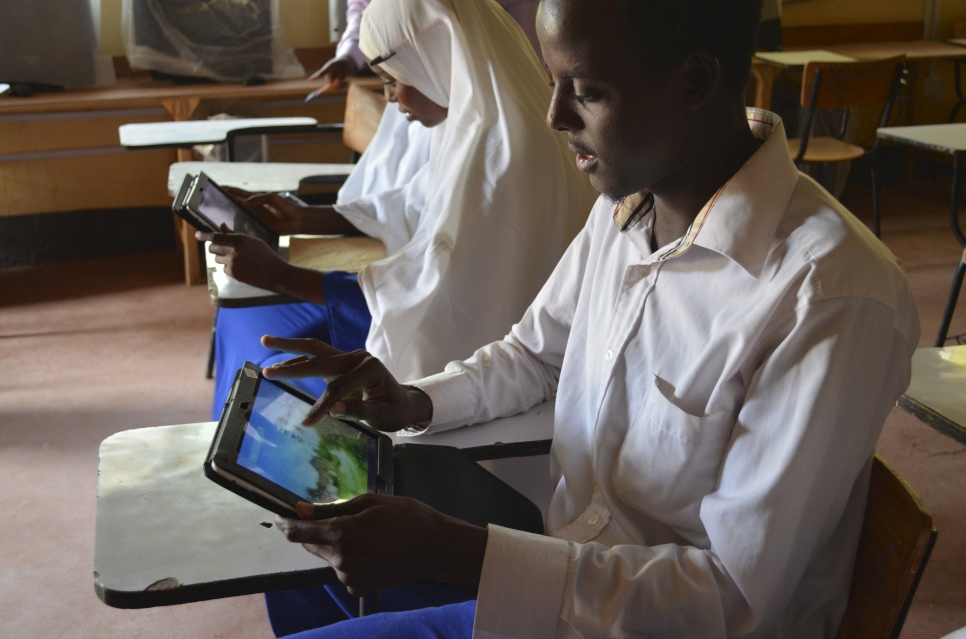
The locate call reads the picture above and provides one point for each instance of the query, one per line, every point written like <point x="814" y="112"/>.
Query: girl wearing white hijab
<point x="476" y="232"/>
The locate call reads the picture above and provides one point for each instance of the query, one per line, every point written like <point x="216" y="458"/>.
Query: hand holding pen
<point x="335" y="72"/>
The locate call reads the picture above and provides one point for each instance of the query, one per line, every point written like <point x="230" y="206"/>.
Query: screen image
<point x="218" y="207"/>
<point x="327" y="462"/>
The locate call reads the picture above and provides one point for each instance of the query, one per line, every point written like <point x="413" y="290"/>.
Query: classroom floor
<point x="91" y="348"/>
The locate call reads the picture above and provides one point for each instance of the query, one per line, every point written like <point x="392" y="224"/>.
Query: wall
<point x="852" y="11"/>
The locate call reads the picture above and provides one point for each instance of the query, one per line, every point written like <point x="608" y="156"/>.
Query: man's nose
<point x="561" y="115"/>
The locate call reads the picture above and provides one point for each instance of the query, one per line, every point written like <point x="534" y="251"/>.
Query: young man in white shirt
<point x="724" y="342"/>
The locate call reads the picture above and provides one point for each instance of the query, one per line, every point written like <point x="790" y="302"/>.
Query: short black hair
<point x="666" y="31"/>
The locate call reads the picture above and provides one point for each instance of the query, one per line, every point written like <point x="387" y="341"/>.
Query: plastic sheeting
<point x="47" y="41"/>
<point x="224" y="40"/>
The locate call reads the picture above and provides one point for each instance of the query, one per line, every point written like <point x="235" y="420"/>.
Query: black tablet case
<point x="450" y="481"/>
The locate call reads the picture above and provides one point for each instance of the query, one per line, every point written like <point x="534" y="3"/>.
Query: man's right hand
<point x="277" y="212"/>
<point x="385" y="404"/>
<point x="337" y="71"/>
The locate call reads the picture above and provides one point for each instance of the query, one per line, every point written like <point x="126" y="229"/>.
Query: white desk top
<point x="801" y="58"/>
<point x="190" y="132"/>
<point x="257" y="176"/>
<point x="945" y="138"/>
<point x="4" y="88"/>
<point x="166" y="534"/>
<point x="937" y="392"/>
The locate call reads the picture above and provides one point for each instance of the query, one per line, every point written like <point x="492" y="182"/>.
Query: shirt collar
<point x="740" y="220"/>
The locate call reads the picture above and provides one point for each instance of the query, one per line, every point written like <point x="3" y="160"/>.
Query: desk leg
<point x="189" y="245"/>
<point x="912" y="93"/>
<point x="181" y="110"/>
<point x="961" y="269"/>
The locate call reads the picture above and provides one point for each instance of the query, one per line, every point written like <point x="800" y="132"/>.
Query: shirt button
<point x="593" y="520"/>
<point x="609" y="354"/>
<point x="646" y="271"/>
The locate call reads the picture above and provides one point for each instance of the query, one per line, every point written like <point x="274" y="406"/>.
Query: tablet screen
<point x="218" y="207"/>
<point x="327" y="462"/>
<point x="207" y="200"/>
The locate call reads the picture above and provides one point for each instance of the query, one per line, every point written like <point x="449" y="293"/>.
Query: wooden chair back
<point x="897" y="537"/>
<point x="840" y="85"/>
<point x="363" y="110"/>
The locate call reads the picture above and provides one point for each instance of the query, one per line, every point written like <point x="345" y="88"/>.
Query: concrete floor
<point x="91" y="348"/>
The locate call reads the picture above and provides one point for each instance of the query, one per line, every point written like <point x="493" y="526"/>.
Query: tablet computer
<point x="206" y="206"/>
<point x="262" y="451"/>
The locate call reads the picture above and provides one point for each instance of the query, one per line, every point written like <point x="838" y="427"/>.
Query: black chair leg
<point x="875" y="199"/>
<point x="210" y="368"/>
<point x="959" y="91"/>
<point x="951" y="302"/>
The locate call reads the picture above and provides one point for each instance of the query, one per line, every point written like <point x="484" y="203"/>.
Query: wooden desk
<point x="915" y="51"/>
<point x="937" y="392"/>
<point x="165" y="534"/>
<point x="766" y="66"/>
<point x="179" y="100"/>
<point x="949" y="139"/>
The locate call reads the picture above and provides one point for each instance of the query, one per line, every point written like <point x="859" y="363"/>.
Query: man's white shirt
<point x="717" y="405"/>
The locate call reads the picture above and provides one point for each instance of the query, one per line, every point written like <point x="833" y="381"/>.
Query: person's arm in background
<point x="348" y="58"/>
<point x="249" y="260"/>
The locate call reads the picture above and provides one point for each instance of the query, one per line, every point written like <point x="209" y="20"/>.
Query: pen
<point x="319" y="92"/>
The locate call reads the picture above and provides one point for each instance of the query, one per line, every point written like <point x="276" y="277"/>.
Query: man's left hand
<point x="376" y="542"/>
<point x="247" y="259"/>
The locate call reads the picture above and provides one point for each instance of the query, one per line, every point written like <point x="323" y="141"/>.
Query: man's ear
<point x="702" y="76"/>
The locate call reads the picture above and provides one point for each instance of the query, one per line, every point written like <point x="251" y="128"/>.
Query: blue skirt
<point x="343" y="321"/>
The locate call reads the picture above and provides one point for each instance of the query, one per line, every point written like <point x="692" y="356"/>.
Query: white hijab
<point x="477" y="231"/>
<point x="395" y="154"/>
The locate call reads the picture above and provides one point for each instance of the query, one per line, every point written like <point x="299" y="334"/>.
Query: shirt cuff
<point x="522" y="584"/>
<point x="453" y="398"/>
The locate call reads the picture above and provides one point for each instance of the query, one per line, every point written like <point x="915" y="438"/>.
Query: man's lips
<point x="580" y="150"/>
<point x="585" y="159"/>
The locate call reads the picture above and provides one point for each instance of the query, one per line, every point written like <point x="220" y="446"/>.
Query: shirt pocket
<point x="669" y="459"/>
